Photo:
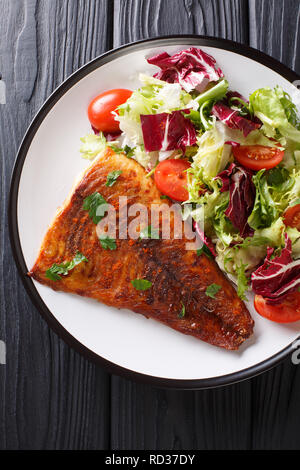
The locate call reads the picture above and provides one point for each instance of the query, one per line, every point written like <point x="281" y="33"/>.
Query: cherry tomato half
<point x="291" y="216"/>
<point x="257" y="157"/>
<point x="100" y="109"/>
<point x="171" y="179"/>
<point x="286" y="312"/>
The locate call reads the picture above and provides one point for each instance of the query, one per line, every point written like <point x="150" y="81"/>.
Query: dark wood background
<point x="51" y="397"/>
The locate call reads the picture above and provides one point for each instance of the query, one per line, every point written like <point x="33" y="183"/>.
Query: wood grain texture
<point x="274" y="29"/>
<point x="143" y="418"/>
<point x="50" y="397"/>
<point x="253" y="414"/>
<point x="26" y="54"/>
<point x="141" y="19"/>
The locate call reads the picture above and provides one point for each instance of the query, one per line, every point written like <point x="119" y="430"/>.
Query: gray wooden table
<point x="51" y="397"/>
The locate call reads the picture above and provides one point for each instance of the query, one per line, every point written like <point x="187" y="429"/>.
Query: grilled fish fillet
<point x="179" y="277"/>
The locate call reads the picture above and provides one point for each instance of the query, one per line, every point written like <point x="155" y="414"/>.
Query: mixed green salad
<point x="237" y="156"/>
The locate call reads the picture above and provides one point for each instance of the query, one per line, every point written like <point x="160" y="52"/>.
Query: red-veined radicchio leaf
<point x="206" y="240"/>
<point x="108" y="136"/>
<point x="233" y="120"/>
<point x="278" y="276"/>
<point x="235" y="94"/>
<point x="193" y="69"/>
<point x="238" y="181"/>
<point x="167" y="131"/>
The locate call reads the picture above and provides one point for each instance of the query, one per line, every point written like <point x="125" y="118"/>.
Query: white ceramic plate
<point x="47" y="164"/>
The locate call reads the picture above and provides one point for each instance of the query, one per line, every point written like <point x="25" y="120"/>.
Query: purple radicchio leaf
<point x="233" y="120"/>
<point x="232" y="143"/>
<point x="230" y="95"/>
<point x="96" y="132"/>
<point x="192" y="68"/>
<point x="278" y="276"/>
<point x="167" y="131"/>
<point x="238" y="181"/>
<point x="206" y="240"/>
<point x="111" y="137"/>
<point x="108" y="136"/>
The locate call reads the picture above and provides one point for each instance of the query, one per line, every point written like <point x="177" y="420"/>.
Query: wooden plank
<point x="141" y="19"/>
<point x="143" y="417"/>
<point x="261" y="413"/>
<point x="274" y="29"/>
<point x="50" y="397"/>
<point x="276" y="408"/>
<point x="148" y="418"/>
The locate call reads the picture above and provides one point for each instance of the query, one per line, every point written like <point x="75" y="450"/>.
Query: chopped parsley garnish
<point x="112" y="177"/>
<point x="108" y="243"/>
<point x="141" y="284"/>
<point x="205" y="251"/>
<point x="54" y="272"/>
<point x="91" y="204"/>
<point x="149" y="232"/>
<point x="129" y="151"/>
<point x="182" y="311"/>
<point x="115" y="148"/>
<point x="212" y="290"/>
<point x="164" y="196"/>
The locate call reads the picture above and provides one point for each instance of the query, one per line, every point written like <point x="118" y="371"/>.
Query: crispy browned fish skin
<point x="179" y="277"/>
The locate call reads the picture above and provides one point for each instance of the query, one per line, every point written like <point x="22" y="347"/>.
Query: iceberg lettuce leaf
<point x="277" y="112"/>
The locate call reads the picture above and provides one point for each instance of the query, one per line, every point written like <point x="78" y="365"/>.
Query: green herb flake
<point x="149" y="232"/>
<point x="115" y="148"/>
<point x="182" y="311"/>
<point x="54" y="273"/>
<point x="108" y="243"/>
<point x="112" y="177"/>
<point x="212" y="290"/>
<point x="204" y="251"/>
<point x="141" y="284"/>
<point x="91" y="204"/>
<point x="129" y="151"/>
